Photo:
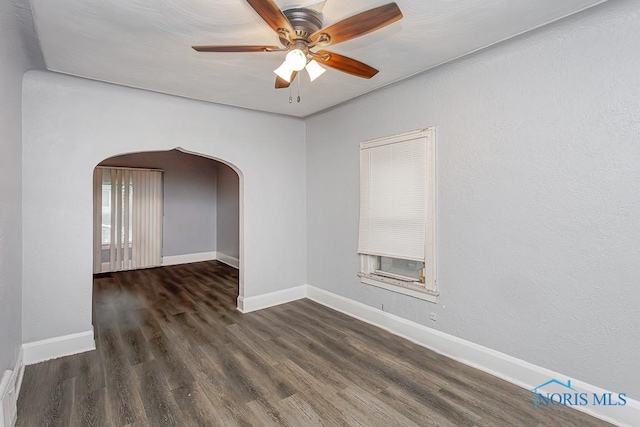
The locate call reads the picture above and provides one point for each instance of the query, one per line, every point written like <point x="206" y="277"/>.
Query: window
<point x="396" y="240"/>
<point x="106" y="213"/>
<point x="106" y="209"/>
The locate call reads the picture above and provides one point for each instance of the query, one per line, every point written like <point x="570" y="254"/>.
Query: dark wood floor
<point x="172" y="350"/>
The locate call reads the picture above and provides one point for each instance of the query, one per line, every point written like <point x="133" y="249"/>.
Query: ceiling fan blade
<point x="272" y="15"/>
<point x="282" y="83"/>
<point x="346" y="64"/>
<point x="360" y="24"/>
<point x="214" y="48"/>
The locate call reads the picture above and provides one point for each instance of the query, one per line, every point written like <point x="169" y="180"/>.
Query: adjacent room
<point x="181" y="208"/>
<point x="322" y="212"/>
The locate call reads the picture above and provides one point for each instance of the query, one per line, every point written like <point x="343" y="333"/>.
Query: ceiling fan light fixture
<point x="300" y="29"/>
<point x="296" y="59"/>
<point x="314" y="69"/>
<point x="284" y="71"/>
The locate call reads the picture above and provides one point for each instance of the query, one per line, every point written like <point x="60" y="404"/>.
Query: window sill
<point x="399" y="286"/>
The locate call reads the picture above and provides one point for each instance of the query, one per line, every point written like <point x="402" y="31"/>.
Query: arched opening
<point x="200" y="226"/>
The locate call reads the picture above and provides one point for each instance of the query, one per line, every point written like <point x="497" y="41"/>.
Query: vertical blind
<point x="97" y="220"/>
<point x="127" y="219"/>
<point x="393" y="197"/>
<point x="147" y="219"/>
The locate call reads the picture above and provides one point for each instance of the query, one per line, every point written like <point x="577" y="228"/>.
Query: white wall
<point x="19" y="52"/>
<point x="189" y="223"/>
<point x="71" y="124"/>
<point x="538" y="181"/>
<point x="228" y="211"/>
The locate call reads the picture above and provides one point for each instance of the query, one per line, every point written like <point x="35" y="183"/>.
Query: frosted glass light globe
<point x="314" y="69"/>
<point x="284" y="71"/>
<point x="296" y="59"/>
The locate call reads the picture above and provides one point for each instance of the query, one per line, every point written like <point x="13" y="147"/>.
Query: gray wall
<point x="538" y="175"/>
<point x="189" y="224"/>
<point x="72" y="124"/>
<point x="228" y="211"/>
<point x="19" y="51"/>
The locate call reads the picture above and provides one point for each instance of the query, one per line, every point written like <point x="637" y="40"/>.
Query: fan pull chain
<point x="299" y="90"/>
<point x="290" y="97"/>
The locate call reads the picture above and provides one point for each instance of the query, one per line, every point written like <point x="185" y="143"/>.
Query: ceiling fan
<point x="300" y="32"/>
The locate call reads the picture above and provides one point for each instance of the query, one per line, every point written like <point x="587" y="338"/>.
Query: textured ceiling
<point x="17" y="29"/>
<point x="146" y="44"/>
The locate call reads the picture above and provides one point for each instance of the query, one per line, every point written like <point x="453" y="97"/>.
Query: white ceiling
<point x="147" y="44"/>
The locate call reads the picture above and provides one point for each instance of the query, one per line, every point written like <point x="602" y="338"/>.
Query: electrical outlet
<point x="433" y="317"/>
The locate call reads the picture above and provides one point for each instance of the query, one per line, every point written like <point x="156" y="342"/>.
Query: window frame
<point x="369" y="264"/>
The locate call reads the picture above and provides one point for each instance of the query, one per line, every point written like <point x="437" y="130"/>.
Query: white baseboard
<point x="179" y="259"/>
<point x="259" y="302"/>
<point x="187" y="258"/>
<point x="229" y="260"/>
<point x="511" y="369"/>
<point x="9" y="390"/>
<point x="52" y="348"/>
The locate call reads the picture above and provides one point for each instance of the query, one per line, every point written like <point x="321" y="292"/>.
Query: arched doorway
<point x="201" y="211"/>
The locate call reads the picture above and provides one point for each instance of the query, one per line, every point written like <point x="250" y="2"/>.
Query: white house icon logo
<point x="565" y="394"/>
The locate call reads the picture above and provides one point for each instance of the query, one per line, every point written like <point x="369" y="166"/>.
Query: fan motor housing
<point x="304" y="21"/>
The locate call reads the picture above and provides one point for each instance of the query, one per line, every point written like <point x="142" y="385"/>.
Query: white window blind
<point x="394" y="196"/>
<point x="129" y="221"/>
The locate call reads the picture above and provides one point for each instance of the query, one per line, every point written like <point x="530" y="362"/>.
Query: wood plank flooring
<point x="173" y="351"/>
